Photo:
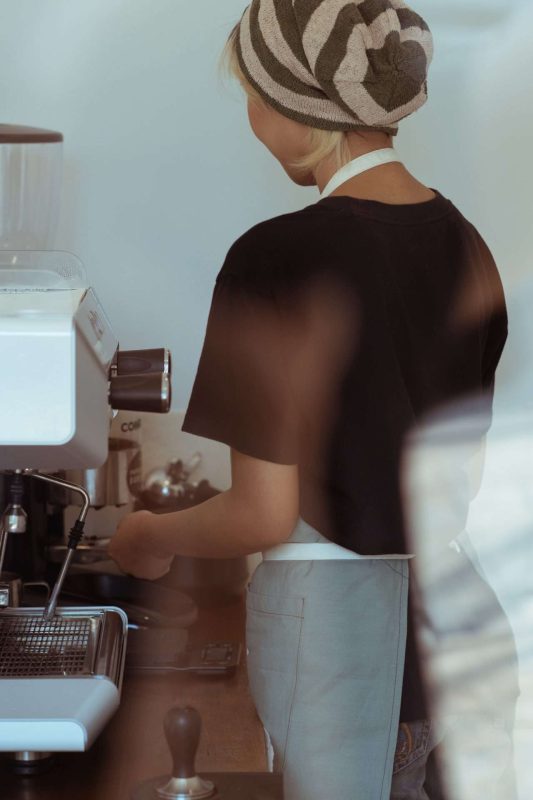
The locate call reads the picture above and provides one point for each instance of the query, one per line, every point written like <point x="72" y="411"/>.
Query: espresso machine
<point x="61" y="667"/>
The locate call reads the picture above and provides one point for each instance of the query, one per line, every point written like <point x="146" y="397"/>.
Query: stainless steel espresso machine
<point x="60" y="667"/>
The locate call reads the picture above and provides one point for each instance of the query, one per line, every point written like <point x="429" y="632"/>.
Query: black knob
<point x="143" y="362"/>
<point x="182" y="731"/>
<point x="148" y="392"/>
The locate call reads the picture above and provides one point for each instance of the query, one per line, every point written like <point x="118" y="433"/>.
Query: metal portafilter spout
<point x="75" y="536"/>
<point x="14" y="519"/>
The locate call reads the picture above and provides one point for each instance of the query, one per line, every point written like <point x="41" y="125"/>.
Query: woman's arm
<point x="259" y="511"/>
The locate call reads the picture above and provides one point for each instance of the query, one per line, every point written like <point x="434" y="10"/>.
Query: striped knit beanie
<point x="336" y="64"/>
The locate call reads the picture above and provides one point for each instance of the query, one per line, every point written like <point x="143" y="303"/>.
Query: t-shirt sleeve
<point x="497" y="322"/>
<point x="495" y="343"/>
<point x="241" y="395"/>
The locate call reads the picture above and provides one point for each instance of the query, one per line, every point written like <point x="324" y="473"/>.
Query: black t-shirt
<point x="333" y="331"/>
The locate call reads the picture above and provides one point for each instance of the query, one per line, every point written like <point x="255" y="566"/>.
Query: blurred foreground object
<point x="467" y="645"/>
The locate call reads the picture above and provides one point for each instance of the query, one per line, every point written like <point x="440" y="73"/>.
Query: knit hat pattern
<point x="337" y="64"/>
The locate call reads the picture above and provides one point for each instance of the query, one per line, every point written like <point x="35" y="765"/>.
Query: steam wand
<point x="3" y="544"/>
<point x="75" y="535"/>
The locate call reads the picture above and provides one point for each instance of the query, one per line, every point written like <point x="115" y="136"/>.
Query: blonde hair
<point x="322" y="144"/>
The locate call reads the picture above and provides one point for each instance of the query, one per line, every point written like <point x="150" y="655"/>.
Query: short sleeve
<point x="241" y="395"/>
<point x="496" y="323"/>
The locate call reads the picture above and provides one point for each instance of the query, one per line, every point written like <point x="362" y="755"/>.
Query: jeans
<point x="476" y="759"/>
<point x="415" y="742"/>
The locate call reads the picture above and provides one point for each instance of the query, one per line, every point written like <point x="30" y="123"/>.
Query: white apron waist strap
<point x="321" y="551"/>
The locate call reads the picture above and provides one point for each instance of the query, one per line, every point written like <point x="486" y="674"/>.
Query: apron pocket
<point x="268" y="604"/>
<point x="273" y="639"/>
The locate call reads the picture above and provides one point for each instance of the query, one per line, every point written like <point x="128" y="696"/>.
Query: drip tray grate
<point x="33" y="647"/>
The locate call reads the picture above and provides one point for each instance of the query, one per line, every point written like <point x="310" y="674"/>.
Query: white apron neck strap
<point x="361" y="164"/>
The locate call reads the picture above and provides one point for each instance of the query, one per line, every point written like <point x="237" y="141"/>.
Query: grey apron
<point x="326" y="648"/>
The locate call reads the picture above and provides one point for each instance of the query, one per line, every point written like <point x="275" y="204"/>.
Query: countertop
<point x="132" y="748"/>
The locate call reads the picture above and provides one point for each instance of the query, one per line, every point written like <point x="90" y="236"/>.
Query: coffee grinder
<point x="60" y="668"/>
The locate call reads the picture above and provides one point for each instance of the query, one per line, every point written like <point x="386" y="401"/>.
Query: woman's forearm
<point x="221" y="527"/>
<point x="258" y="512"/>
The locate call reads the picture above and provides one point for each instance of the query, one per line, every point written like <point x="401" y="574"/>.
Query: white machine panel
<point x="56" y="348"/>
<point x="55" y="714"/>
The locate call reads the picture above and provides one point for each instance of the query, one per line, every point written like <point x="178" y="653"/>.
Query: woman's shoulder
<point x="269" y="245"/>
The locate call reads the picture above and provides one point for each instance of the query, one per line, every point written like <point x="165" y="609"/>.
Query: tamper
<point x="182" y="728"/>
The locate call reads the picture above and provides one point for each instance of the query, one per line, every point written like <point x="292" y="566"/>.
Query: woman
<point x="332" y="331"/>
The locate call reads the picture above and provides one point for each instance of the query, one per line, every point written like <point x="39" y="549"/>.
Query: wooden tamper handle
<point x="182" y="728"/>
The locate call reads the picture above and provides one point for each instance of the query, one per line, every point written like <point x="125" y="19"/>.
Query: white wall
<point x="162" y="174"/>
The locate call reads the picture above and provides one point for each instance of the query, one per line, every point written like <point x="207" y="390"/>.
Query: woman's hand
<point x="133" y="550"/>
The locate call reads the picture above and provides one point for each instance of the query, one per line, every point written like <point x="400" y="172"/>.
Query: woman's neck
<point x="390" y="183"/>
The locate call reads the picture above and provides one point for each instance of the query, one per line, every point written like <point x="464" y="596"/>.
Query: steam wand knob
<point x="182" y="728"/>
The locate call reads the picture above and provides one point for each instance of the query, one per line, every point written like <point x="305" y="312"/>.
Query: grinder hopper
<point x="30" y="187"/>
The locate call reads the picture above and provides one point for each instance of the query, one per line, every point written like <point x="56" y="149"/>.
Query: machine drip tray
<point x="147" y="605"/>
